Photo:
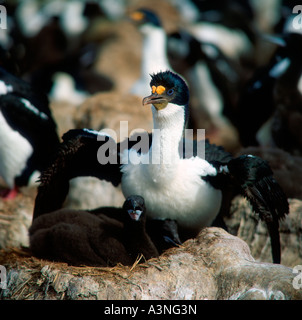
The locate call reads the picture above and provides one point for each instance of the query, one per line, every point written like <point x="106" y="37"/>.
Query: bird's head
<point x="144" y="18"/>
<point x="135" y="207"/>
<point x="170" y="93"/>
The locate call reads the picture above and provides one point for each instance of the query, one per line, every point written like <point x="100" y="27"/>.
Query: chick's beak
<point x="135" y="214"/>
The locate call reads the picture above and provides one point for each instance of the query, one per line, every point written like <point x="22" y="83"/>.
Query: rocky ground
<point x="244" y="223"/>
<point x="215" y="265"/>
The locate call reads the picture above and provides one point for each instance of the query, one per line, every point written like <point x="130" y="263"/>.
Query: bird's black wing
<point x="82" y="153"/>
<point x="216" y="153"/>
<point x="254" y="178"/>
<point x="22" y="89"/>
<point x="205" y="150"/>
<point x="23" y="116"/>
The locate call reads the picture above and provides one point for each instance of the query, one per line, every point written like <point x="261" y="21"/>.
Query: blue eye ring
<point x="170" y="92"/>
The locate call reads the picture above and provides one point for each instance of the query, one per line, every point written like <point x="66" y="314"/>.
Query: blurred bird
<point x="154" y="50"/>
<point x="214" y="78"/>
<point x="46" y="42"/>
<point x="28" y="132"/>
<point x="269" y="109"/>
<point x="228" y="25"/>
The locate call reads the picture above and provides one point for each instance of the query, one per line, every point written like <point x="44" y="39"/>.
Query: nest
<point x="36" y="274"/>
<point x="215" y="265"/>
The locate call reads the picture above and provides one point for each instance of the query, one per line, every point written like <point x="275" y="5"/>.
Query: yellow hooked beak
<point x="157" y="99"/>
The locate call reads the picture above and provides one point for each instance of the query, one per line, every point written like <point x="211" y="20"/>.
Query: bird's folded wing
<point x="26" y="118"/>
<point x="214" y="153"/>
<point x="22" y="89"/>
<point x="255" y="179"/>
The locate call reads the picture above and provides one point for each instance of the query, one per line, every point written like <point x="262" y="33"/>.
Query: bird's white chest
<point x="14" y="152"/>
<point x="175" y="191"/>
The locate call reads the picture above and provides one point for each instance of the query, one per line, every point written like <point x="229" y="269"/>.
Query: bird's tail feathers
<point x="255" y="180"/>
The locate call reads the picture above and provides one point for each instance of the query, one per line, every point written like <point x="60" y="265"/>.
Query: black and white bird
<point x="28" y="132"/>
<point x="269" y="109"/>
<point x="228" y="25"/>
<point x="176" y="185"/>
<point x="79" y="237"/>
<point x="154" y="48"/>
<point x="214" y="78"/>
<point x="286" y="121"/>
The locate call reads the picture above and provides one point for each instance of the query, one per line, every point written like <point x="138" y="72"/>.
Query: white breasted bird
<point x="154" y="49"/>
<point x="269" y="111"/>
<point x="188" y="189"/>
<point x="28" y="133"/>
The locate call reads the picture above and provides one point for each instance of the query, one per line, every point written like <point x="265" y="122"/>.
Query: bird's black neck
<point x="137" y="241"/>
